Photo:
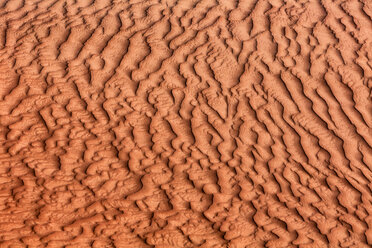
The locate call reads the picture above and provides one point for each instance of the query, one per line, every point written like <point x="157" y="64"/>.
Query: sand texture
<point x="186" y="123"/>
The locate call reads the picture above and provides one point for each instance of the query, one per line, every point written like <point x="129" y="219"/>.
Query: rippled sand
<point x="183" y="123"/>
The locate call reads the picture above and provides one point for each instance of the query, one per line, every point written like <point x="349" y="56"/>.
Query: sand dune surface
<point x="186" y="123"/>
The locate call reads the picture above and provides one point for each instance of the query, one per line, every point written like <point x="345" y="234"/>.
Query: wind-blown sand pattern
<point x="184" y="123"/>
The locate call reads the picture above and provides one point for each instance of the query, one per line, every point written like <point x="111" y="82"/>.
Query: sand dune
<point x="186" y="123"/>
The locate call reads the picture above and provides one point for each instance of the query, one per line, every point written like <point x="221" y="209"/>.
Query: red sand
<point x="183" y="123"/>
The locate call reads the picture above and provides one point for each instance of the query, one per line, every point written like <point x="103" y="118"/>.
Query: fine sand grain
<point x="186" y="123"/>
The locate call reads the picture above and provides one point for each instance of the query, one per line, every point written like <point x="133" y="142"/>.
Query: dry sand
<point x="184" y="123"/>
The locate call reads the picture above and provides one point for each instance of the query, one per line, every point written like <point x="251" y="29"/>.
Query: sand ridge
<point x="186" y="123"/>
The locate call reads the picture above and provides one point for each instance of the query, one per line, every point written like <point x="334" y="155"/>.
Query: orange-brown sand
<point x="186" y="123"/>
